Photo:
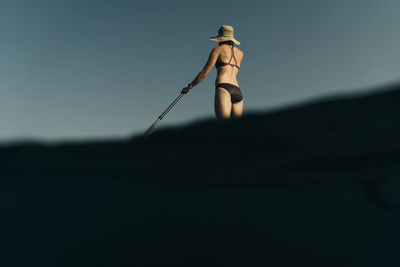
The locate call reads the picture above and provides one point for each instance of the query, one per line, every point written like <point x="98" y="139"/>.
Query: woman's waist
<point x="230" y="81"/>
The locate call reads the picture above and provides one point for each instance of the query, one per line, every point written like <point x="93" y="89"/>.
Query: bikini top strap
<point x="233" y="55"/>
<point x="229" y="63"/>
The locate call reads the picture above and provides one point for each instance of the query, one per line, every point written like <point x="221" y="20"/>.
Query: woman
<point x="227" y="58"/>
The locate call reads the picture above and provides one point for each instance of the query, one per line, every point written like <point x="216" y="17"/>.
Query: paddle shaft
<point x="162" y="115"/>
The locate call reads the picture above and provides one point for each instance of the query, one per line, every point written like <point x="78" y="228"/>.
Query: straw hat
<point x="225" y="33"/>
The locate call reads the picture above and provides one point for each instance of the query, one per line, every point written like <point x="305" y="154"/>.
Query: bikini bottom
<point x="234" y="91"/>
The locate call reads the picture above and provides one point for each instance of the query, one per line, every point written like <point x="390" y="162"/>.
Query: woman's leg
<point x="222" y="103"/>
<point x="237" y="109"/>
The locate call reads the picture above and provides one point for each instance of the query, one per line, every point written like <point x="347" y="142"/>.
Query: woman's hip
<point x="233" y="90"/>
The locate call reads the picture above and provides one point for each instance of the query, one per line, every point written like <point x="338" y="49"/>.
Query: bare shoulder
<point x="240" y="52"/>
<point x="216" y="49"/>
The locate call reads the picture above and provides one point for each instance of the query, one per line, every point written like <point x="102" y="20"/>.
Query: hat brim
<point x="223" y="39"/>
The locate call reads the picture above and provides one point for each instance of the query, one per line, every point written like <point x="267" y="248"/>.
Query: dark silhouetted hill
<point x="315" y="184"/>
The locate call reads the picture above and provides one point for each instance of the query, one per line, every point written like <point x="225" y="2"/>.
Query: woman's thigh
<point x="222" y="103"/>
<point x="237" y="109"/>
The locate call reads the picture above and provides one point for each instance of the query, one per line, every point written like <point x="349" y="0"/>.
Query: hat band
<point x="225" y="35"/>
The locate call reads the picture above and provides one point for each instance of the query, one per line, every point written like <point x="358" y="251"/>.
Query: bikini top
<point x="220" y="64"/>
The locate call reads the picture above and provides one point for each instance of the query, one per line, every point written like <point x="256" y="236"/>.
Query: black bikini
<point x="234" y="91"/>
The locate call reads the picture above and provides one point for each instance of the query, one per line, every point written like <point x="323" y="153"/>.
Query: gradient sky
<point x="82" y="69"/>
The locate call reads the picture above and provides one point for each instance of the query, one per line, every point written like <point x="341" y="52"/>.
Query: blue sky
<point x="102" y="69"/>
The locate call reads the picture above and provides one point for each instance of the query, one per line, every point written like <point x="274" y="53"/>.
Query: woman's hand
<point x="186" y="89"/>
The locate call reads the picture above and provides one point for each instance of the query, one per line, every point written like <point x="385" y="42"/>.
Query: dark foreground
<point x="313" y="185"/>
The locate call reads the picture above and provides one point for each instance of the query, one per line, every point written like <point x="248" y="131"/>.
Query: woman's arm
<point x="212" y="59"/>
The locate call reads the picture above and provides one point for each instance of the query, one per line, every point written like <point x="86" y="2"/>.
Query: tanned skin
<point x="224" y="108"/>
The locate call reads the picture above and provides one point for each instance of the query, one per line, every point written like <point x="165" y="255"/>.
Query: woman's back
<point x="227" y="71"/>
